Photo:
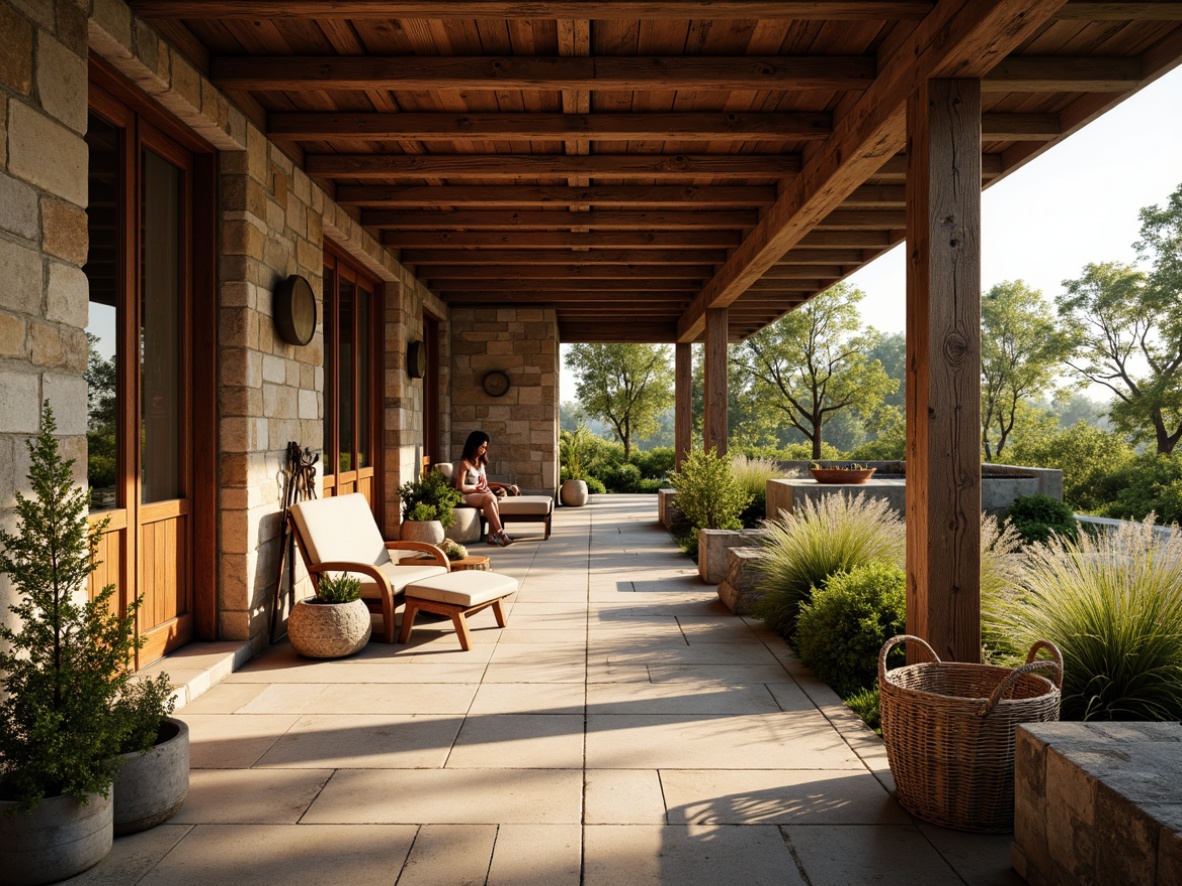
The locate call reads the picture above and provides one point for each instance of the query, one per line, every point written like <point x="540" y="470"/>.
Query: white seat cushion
<point x="526" y="504"/>
<point x="465" y="589"/>
<point x="340" y="528"/>
<point x="399" y="576"/>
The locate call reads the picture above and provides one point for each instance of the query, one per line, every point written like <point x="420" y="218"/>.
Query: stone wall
<point x="523" y="424"/>
<point x="43" y="238"/>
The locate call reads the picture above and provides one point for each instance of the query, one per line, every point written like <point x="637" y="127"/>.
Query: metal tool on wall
<point x="301" y="486"/>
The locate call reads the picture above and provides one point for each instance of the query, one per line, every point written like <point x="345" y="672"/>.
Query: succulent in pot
<point x="334" y="623"/>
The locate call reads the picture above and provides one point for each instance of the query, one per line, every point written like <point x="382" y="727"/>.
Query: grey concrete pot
<point x="58" y="839"/>
<point x="328" y="630"/>
<point x="430" y="531"/>
<point x="574" y="493"/>
<point x="151" y="787"/>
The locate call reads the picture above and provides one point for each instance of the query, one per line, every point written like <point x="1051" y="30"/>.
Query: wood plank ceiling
<point x="637" y="162"/>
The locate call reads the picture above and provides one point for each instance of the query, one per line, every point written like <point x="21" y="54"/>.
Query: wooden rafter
<point x="536" y="196"/>
<point x="295" y="73"/>
<point x="560" y="239"/>
<point x="548" y="220"/>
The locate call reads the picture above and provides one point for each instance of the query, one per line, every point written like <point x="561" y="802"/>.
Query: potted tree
<point x="64" y="671"/>
<point x="334" y="623"/>
<point x="428" y="505"/>
<point x="574" y="450"/>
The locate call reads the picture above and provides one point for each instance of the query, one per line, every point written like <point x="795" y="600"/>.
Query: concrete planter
<point x="430" y="531"/>
<point x="58" y="839"/>
<point x="328" y="630"/>
<point x="574" y="493"/>
<point x="151" y="787"/>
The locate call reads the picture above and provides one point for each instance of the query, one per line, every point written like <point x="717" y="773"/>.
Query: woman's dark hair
<point x="471" y="445"/>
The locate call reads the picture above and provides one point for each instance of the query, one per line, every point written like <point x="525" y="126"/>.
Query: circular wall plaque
<point x="295" y="310"/>
<point x="496" y="383"/>
<point x="416" y="359"/>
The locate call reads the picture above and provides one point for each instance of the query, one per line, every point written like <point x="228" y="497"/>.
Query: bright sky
<point x="1075" y="204"/>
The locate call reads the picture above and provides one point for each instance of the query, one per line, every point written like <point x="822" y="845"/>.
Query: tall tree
<point x="812" y="363"/>
<point x="1130" y="342"/>
<point x="626" y="385"/>
<point x="1022" y="349"/>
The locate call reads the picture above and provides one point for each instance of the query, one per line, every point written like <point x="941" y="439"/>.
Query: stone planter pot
<point x="574" y="493"/>
<point x="430" y="531"/>
<point x="151" y="787"/>
<point x="58" y="839"/>
<point x="328" y="630"/>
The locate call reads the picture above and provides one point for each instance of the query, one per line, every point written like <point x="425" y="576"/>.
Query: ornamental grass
<point x="1113" y="605"/>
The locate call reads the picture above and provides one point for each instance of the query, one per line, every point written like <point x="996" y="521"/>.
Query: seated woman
<point x="478" y="492"/>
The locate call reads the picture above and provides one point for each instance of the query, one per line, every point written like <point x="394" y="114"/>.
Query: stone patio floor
<point x="625" y="728"/>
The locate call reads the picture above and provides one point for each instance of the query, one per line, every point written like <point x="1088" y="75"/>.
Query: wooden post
<point x="714" y="410"/>
<point x="944" y="367"/>
<point x="683" y="409"/>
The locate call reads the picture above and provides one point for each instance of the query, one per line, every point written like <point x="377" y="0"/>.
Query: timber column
<point x="944" y="367"/>
<point x="683" y="409"/>
<point x="714" y="400"/>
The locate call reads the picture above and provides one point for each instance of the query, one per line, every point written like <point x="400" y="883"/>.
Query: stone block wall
<point x="43" y="238"/>
<point x="523" y="424"/>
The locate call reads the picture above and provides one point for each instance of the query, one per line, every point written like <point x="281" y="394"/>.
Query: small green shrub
<point x="1037" y="517"/>
<point x="867" y="705"/>
<point x="434" y="492"/>
<point x="1147" y="484"/>
<point x="342" y="588"/>
<point x="836" y="533"/>
<point x="1002" y="571"/>
<point x="841" y="629"/>
<point x="753" y="474"/>
<point x="651" y="485"/>
<point x="1113" y="605"/>
<point x="422" y="512"/>
<point x="708" y="495"/>
<point x="575" y="452"/>
<point x="595" y="485"/>
<point x="656" y="463"/>
<point x="686" y="538"/>
<point x="621" y="478"/>
<point x="142" y="708"/>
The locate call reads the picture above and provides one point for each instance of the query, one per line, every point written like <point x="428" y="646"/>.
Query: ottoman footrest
<point x="457" y="595"/>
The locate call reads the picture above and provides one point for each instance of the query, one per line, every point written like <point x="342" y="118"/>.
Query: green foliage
<point x="841" y="629"/>
<point x="141" y="708"/>
<point x="708" y="495"/>
<point x="656" y="463"/>
<point x="1002" y="571"/>
<point x="430" y="497"/>
<point x="575" y="451"/>
<point x="753" y="474"/>
<point x="812" y="364"/>
<point x="595" y="486"/>
<point x="340" y="588"/>
<point x="1145" y="484"/>
<point x="454" y="550"/>
<point x="867" y="705"/>
<point x="1037" y="517"/>
<point x="890" y="445"/>
<point x="1113" y="606"/>
<point x="625" y="385"/>
<point x="67" y="708"/>
<point x="835" y="533"/>
<point x="1021" y="353"/>
<point x="1085" y="454"/>
<point x="621" y="477"/>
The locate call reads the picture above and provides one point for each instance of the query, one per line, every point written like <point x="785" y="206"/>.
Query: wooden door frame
<point x="431" y="433"/>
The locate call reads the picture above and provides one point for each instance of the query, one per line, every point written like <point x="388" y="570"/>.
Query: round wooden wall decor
<point x="416" y="359"/>
<point x="294" y="308"/>
<point x="496" y="383"/>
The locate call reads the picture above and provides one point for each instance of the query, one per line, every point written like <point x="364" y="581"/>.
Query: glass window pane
<point x="330" y="332"/>
<point x="364" y="433"/>
<point x="345" y="375"/>
<point x="160" y="329"/>
<point x="102" y="429"/>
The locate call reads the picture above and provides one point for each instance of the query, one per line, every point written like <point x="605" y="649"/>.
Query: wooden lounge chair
<point x="340" y="535"/>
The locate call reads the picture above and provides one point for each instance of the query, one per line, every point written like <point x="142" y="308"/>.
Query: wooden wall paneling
<point x="714" y="418"/>
<point x="943" y="367"/>
<point x="683" y="412"/>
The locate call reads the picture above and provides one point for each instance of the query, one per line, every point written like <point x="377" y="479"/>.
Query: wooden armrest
<point x="437" y="552"/>
<point x="366" y="569"/>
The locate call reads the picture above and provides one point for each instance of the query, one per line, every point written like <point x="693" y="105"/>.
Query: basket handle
<point x="895" y="641"/>
<point x="1056" y="656"/>
<point x="1029" y="668"/>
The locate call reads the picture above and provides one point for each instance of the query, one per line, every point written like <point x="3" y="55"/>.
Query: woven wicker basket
<point x="949" y="733"/>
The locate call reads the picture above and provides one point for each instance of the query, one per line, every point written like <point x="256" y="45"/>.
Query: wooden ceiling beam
<point x="667" y="303"/>
<point x="511" y="258"/>
<point x="648" y="333"/>
<point x="392" y="167"/>
<point x="445" y="288"/>
<point x="603" y="10"/>
<point x="537" y="196"/>
<point x="497" y="240"/>
<point x="1056" y="74"/>
<point x="788" y="126"/>
<point x="443" y="273"/>
<point x="1001" y="126"/>
<point x="844" y="240"/>
<point x="959" y="38"/>
<point x="1126" y="11"/>
<point x="549" y="220"/>
<point x="473" y="73"/>
<point x="863" y="220"/>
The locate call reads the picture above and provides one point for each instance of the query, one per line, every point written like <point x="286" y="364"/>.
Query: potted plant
<point x="852" y="473"/>
<point x="334" y="623"/>
<point x="153" y="778"/>
<point x="574" y="450"/>
<point x="427" y="506"/>
<point x="64" y="672"/>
